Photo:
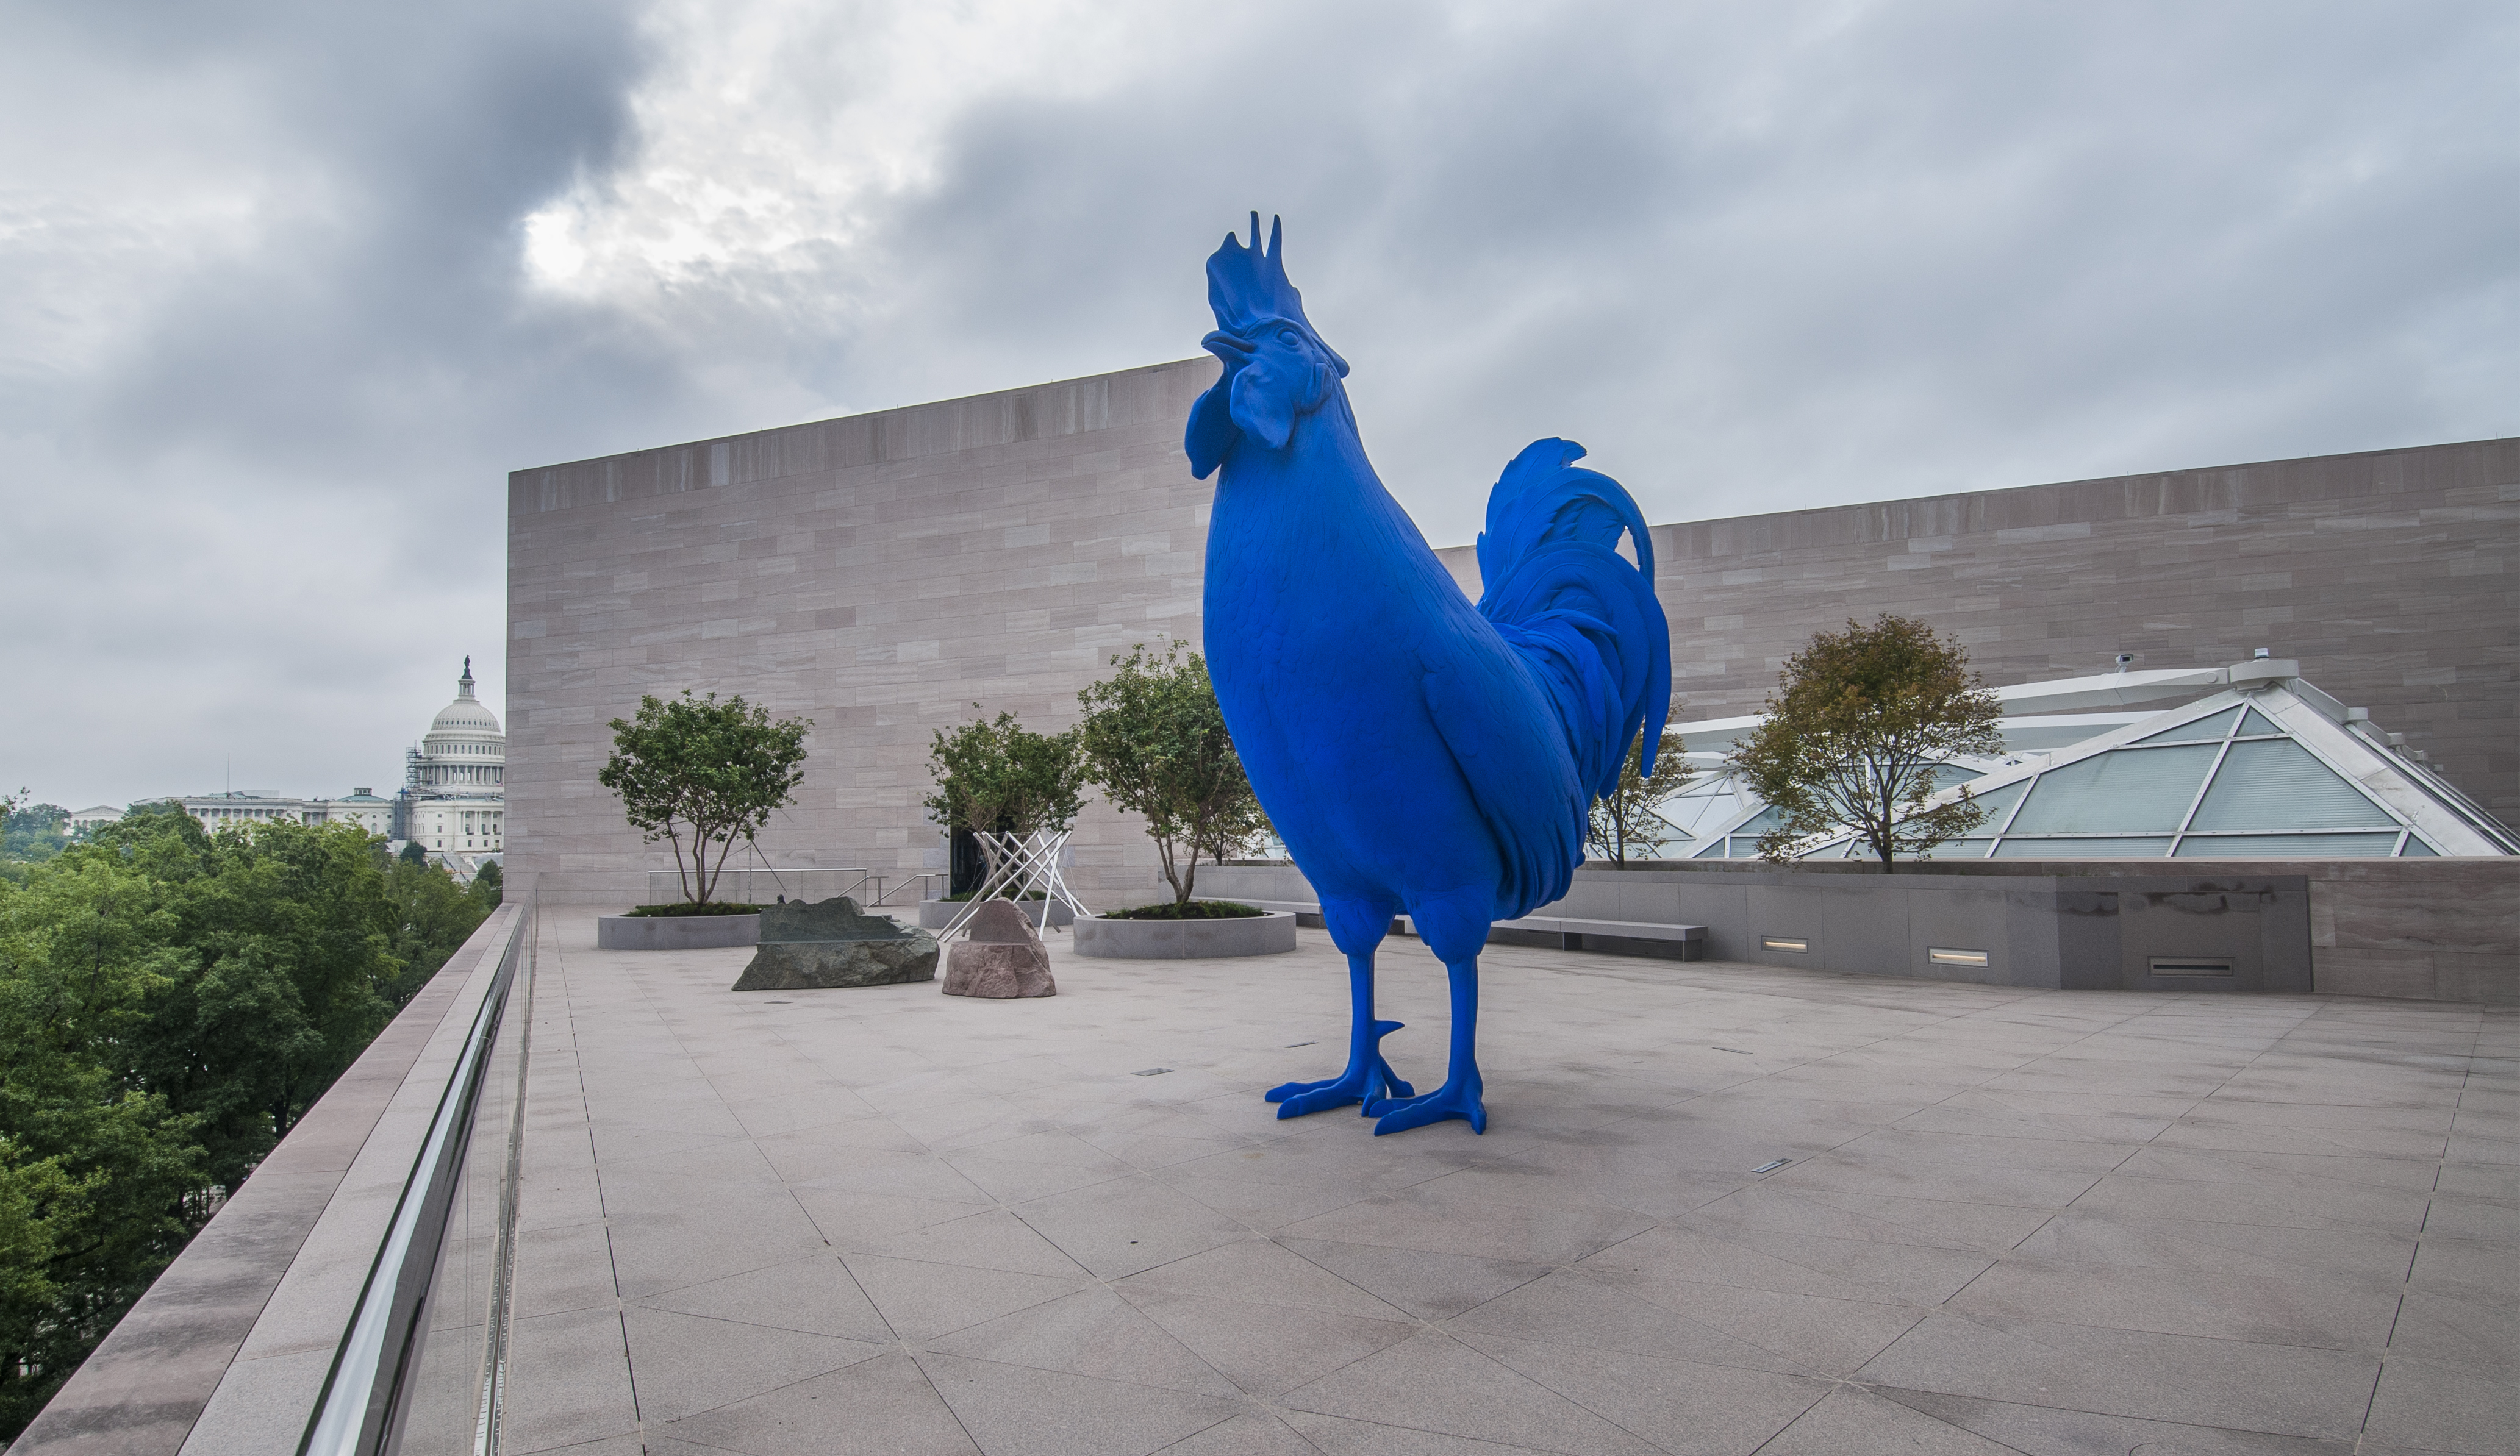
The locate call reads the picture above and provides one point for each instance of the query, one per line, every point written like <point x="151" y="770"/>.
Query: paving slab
<point x="882" y="1219"/>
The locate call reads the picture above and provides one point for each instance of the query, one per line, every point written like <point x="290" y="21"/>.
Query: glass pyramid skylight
<point x="2270" y="767"/>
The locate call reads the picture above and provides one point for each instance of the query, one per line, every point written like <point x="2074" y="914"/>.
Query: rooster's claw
<point x="1451" y="1100"/>
<point x="1369" y="1082"/>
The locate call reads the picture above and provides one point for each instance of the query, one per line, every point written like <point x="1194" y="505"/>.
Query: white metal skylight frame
<point x="2423" y="814"/>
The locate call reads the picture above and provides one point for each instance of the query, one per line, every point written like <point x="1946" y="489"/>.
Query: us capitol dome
<point x="454" y="801"/>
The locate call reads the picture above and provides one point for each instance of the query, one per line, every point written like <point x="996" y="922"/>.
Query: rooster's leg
<point x="1459" y="1095"/>
<point x="1368" y="1078"/>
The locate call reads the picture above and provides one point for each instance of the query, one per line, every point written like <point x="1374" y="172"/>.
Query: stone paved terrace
<point x="889" y="1221"/>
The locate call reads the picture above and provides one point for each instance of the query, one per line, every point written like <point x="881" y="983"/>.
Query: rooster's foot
<point x="1454" y="1099"/>
<point x="1368" y="1081"/>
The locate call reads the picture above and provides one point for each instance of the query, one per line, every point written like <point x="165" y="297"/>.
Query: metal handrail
<point x="354" y="1414"/>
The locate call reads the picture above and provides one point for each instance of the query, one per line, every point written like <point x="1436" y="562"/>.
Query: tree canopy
<point x="1625" y="819"/>
<point x="171" y="1002"/>
<point x="29" y="831"/>
<point x="1156" y="742"/>
<point x="995" y="775"/>
<point x="1857" y="732"/>
<point x="709" y="770"/>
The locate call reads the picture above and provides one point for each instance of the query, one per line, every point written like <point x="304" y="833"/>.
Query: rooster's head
<point x="1277" y="369"/>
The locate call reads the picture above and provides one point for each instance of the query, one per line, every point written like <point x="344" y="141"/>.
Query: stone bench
<point x="1571" y="930"/>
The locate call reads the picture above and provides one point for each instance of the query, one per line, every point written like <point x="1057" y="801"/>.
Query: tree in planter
<point x="707" y="769"/>
<point x="1624" y="819"/>
<point x="1155" y="741"/>
<point x="995" y="775"/>
<point x="1858" y="724"/>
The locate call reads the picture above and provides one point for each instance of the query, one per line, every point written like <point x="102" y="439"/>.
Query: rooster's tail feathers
<point x="1583" y="618"/>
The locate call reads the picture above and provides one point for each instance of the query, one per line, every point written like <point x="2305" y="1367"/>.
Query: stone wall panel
<point x="885" y="572"/>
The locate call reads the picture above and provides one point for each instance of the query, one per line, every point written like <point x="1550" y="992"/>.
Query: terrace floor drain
<point x="1292" y="1046"/>
<point x="1151" y="1072"/>
<point x="1736" y="1052"/>
<point x="1772" y="1166"/>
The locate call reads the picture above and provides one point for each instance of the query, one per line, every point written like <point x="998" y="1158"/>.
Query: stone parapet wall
<point x="2414" y="929"/>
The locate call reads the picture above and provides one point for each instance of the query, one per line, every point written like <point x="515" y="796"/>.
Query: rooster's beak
<point x="1231" y="348"/>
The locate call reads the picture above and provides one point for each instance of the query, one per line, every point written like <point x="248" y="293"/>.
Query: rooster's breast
<point x="1321" y="649"/>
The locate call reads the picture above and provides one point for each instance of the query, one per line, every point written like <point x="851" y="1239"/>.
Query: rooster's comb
<point x="1247" y="287"/>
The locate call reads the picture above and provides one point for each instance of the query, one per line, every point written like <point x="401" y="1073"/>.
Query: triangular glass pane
<point x="1998" y="802"/>
<point x="1958" y="849"/>
<point x="2286" y="846"/>
<point x="2203" y="730"/>
<point x="2256" y="724"/>
<point x="2122" y="789"/>
<point x="2120" y="847"/>
<point x="2276" y="785"/>
<point x="2416" y="849"/>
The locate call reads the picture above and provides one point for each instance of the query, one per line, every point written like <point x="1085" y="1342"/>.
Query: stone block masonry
<point x="884" y="573"/>
<point x="880" y="574"/>
<point x="2388" y="574"/>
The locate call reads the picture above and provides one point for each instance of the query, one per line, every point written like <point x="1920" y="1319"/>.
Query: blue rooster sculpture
<point x="1416" y="754"/>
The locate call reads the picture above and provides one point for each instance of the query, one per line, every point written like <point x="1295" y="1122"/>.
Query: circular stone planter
<point x="1186" y="940"/>
<point x="936" y="914"/>
<point x="675" y="932"/>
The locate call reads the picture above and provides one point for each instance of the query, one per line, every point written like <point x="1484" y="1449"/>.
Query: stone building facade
<point x="880" y="574"/>
<point x="2392" y="576"/>
<point x="885" y="574"/>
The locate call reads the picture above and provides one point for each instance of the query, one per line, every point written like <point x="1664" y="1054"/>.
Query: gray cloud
<point x="274" y="339"/>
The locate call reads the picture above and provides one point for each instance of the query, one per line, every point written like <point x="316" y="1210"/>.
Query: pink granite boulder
<point x="1000" y="957"/>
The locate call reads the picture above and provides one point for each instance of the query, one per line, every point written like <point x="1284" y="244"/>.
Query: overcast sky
<point x="285" y="289"/>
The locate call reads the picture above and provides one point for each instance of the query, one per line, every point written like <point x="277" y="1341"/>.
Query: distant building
<point x="89" y="818"/>
<point x="362" y="806"/>
<point x="235" y="807"/>
<point x="454" y="802"/>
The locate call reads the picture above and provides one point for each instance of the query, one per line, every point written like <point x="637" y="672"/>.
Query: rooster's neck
<point x="1310" y="518"/>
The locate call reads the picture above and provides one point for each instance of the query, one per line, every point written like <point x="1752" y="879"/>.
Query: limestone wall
<point x="884" y="573"/>
<point x="2388" y="574"/>
<point x="880" y="574"/>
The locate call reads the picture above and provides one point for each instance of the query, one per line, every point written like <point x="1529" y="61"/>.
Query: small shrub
<point x="691" y="907"/>
<point x="1189" y="910"/>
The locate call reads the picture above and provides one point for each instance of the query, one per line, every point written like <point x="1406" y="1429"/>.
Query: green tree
<point x="997" y="776"/>
<point x="714" y="770"/>
<point x="32" y="832"/>
<point x="432" y="917"/>
<point x="291" y="939"/>
<point x="39" y="1205"/>
<point x="1856" y="731"/>
<point x="1625" y="819"/>
<point x="1155" y="741"/>
<point x="101" y="1180"/>
<point x="413" y="853"/>
<point x="171" y="1002"/>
